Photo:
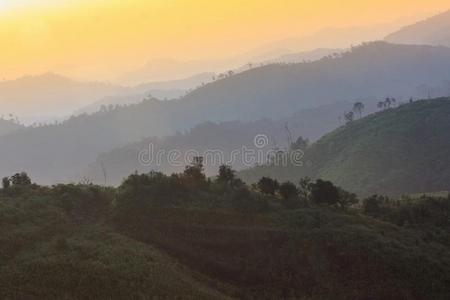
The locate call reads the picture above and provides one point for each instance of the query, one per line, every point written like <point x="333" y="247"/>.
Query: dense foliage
<point x="158" y="237"/>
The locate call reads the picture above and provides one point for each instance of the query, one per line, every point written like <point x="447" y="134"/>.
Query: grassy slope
<point x="198" y="253"/>
<point x="305" y="254"/>
<point x="45" y="255"/>
<point x="400" y="150"/>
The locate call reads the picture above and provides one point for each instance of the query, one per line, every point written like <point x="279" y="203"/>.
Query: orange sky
<point x="91" y="38"/>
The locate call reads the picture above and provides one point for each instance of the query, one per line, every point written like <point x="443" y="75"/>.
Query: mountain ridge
<point x="431" y="31"/>
<point x="401" y="150"/>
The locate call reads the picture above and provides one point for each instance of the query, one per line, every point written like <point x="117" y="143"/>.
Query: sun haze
<point x="100" y="38"/>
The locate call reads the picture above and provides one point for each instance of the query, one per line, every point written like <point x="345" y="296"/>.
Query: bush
<point x="289" y="194"/>
<point x="324" y="193"/>
<point x="268" y="186"/>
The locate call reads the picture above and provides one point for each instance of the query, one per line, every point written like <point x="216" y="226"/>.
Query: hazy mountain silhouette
<point x="397" y="151"/>
<point x="161" y="90"/>
<point x="168" y="70"/>
<point x="375" y="70"/>
<point x="369" y="72"/>
<point x="56" y="96"/>
<point x="8" y="126"/>
<point x="313" y="55"/>
<point x="432" y="31"/>
<point x="50" y="95"/>
<point x="225" y="137"/>
<point x="277" y="51"/>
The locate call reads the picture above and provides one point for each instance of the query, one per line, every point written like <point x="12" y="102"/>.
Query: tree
<point x="358" y="108"/>
<point x="6" y="183"/>
<point x="346" y="199"/>
<point x="288" y="190"/>
<point x="289" y="194"/>
<point x="304" y="190"/>
<point x="381" y="105"/>
<point x="226" y="175"/>
<point x="194" y="174"/>
<point x="388" y="102"/>
<point x="300" y="144"/>
<point x="349" y="117"/>
<point x="324" y="193"/>
<point x="372" y="206"/>
<point x="20" y="179"/>
<point x="268" y="186"/>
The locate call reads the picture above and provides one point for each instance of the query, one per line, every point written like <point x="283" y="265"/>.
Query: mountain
<point x="56" y="96"/>
<point x="313" y="55"/>
<point x="432" y="31"/>
<point x="51" y="95"/>
<point x="180" y="84"/>
<point x="161" y="90"/>
<point x="367" y="73"/>
<point x="211" y="139"/>
<point x="169" y="70"/>
<point x="371" y="71"/>
<point x="402" y="150"/>
<point x="8" y="126"/>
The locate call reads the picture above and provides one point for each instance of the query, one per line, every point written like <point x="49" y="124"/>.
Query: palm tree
<point x="358" y="107"/>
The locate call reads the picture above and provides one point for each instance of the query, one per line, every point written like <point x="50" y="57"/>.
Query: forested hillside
<point x="398" y="150"/>
<point x="208" y="138"/>
<point x="57" y="152"/>
<point x="186" y="237"/>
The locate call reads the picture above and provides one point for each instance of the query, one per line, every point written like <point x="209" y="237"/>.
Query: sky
<point x="102" y="38"/>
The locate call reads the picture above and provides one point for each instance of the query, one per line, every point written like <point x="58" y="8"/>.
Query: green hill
<point x="400" y="150"/>
<point x="186" y="237"/>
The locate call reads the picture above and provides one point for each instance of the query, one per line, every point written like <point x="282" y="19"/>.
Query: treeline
<point x="141" y="194"/>
<point x="270" y="240"/>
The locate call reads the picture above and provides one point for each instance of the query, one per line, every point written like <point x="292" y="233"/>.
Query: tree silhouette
<point x="288" y="190"/>
<point x="6" y="183"/>
<point x="324" y="193"/>
<point x="304" y="189"/>
<point x="388" y="102"/>
<point x="268" y="186"/>
<point x="300" y="144"/>
<point x="349" y="117"/>
<point x="226" y="175"/>
<point x="20" y="179"/>
<point x="358" y="108"/>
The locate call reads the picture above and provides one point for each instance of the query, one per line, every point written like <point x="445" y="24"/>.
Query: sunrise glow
<point x="101" y="38"/>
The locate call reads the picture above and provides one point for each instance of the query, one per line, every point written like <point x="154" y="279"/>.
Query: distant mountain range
<point x="367" y="73"/>
<point x="285" y="50"/>
<point x="56" y="96"/>
<point x="307" y="55"/>
<point x="38" y="98"/>
<point x="398" y="151"/>
<point x="163" y="90"/>
<point x="8" y="126"/>
<point x="206" y="137"/>
<point x="432" y="31"/>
